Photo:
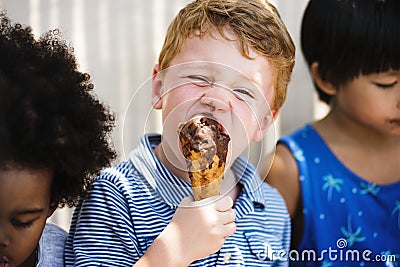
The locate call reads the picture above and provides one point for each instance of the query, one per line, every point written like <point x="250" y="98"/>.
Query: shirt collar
<point x="171" y="189"/>
<point x="250" y="180"/>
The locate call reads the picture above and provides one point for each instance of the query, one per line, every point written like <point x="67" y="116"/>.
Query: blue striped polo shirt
<point x="131" y="203"/>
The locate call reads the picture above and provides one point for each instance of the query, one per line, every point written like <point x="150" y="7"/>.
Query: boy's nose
<point x="216" y="99"/>
<point x="4" y="241"/>
<point x="4" y="236"/>
<point x="398" y="103"/>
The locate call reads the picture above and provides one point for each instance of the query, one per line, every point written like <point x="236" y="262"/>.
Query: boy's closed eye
<point x="204" y="81"/>
<point x="385" y="85"/>
<point x="243" y="91"/>
<point x="200" y="80"/>
<point x="22" y="224"/>
<point x="25" y="219"/>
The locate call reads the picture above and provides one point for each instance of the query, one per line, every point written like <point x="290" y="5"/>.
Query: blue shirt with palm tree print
<point x="348" y="221"/>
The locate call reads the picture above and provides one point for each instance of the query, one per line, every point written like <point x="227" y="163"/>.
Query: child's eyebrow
<point x="194" y="67"/>
<point x="392" y="73"/>
<point x="387" y="73"/>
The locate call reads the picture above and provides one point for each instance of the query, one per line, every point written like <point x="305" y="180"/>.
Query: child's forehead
<point x="208" y="67"/>
<point x="225" y="51"/>
<point x="227" y="35"/>
<point x="26" y="177"/>
<point x="26" y="187"/>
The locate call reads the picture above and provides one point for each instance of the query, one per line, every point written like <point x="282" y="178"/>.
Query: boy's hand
<point x="199" y="228"/>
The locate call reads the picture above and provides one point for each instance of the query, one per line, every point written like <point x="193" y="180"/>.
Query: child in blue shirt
<point x="230" y="60"/>
<point x="340" y="175"/>
<point x="54" y="138"/>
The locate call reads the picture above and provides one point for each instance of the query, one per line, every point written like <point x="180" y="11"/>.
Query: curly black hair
<point x="49" y="115"/>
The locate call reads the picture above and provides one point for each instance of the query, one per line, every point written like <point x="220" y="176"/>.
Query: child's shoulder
<point x="303" y="139"/>
<point x="122" y="177"/>
<point x="122" y="169"/>
<point x="51" y="246"/>
<point x="54" y="229"/>
<point x="304" y="132"/>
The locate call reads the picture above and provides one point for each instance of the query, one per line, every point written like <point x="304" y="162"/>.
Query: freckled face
<point x="211" y="76"/>
<point x="24" y="208"/>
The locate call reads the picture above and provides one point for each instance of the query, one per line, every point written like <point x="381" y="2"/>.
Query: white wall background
<point x="117" y="42"/>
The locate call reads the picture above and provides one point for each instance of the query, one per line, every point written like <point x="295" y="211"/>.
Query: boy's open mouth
<point x="208" y="115"/>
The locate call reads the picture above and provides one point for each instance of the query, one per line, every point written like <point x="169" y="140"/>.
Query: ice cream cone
<point x="205" y="146"/>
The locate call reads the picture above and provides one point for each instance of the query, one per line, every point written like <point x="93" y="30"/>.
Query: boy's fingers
<point x="224" y="204"/>
<point x="229" y="229"/>
<point x="229" y="216"/>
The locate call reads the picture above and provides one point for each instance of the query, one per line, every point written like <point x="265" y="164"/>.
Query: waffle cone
<point x="204" y="146"/>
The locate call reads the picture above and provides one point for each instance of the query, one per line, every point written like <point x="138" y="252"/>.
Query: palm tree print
<point x="330" y="184"/>
<point x="397" y="210"/>
<point x="351" y="236"/>
<point x="370" y="188"/>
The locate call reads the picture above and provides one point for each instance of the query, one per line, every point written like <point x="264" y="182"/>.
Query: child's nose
<point x="4" y="240"/>
<point x="398" y="102"/>
<point x="216" y="99"/>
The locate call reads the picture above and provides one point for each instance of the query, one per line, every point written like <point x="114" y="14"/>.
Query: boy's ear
<point x="157" y="84"/>
<point x="326" y="86"/>
<point x="275" y="113"/>
<point x="265" y="124"/>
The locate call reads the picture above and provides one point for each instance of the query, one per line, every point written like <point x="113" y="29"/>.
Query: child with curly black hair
<point x="54" y="138"/>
